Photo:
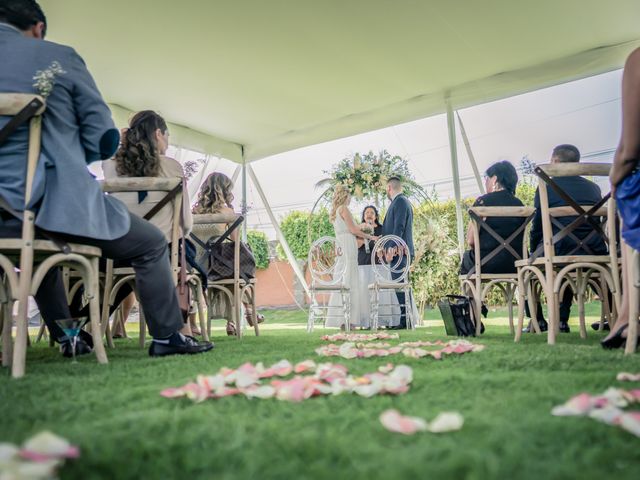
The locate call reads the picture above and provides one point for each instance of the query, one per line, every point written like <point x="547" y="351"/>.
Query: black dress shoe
<point x="179" y="344"/>
<point x="542" y="323"/>
<point x="605" y="326"/>
<point x="564" y="327"/>
<point x="398" y="327"/>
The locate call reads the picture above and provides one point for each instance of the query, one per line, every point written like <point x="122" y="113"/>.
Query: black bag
<point x="218" y="257"/>
<point x="456" y="313"/>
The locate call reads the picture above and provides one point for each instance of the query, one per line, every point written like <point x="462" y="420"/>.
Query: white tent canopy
<point x="245" y="79"/>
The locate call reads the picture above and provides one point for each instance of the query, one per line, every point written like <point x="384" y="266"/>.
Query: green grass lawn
<point x="126" y="430"/>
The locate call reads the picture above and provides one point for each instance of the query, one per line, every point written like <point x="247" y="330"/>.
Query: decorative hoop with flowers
<point x="365" y="176"/>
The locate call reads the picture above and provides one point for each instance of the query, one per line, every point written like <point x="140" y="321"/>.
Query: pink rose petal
<point x="393" y="421"/>
<point x="631" y="422"/>
<point x="305" y="366"/>
<point x="628" y="377"/>
<point x="386" y="368"/>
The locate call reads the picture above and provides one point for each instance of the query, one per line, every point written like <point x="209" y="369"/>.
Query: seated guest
<point x="216" y="196"/>
<point x="77" y="129"/>
<point x="501" y="180"/>
<point x="625" y="184"/>
<point x="584" y="192"/>
<point x="142" y="154"/>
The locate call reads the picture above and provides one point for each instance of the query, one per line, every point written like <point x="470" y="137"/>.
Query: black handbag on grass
<point x="456" y="314"/>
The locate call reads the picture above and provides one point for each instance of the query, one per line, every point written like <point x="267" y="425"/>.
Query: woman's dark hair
<point x="22" y="14"/>
<point x="138" y="154"/>
<point x="505" y="174"/>
<point x="376" y="212"/>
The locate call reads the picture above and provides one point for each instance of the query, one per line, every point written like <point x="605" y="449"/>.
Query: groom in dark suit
<point x="399" y="221"/>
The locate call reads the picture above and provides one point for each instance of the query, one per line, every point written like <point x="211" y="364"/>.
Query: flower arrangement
<point x="45" y="79"/>
<point x="366" y="175"/>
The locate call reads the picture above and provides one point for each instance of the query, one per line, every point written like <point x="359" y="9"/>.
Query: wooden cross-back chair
<point x="557" y="272"/>
<point x="117" y="277"/>
<point x="234" y="289"/>
<point x="34" y="257"/>
<point x="632" y="257"/>
<point x="476" y="283"/>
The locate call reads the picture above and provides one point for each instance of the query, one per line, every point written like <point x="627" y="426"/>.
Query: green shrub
<point x="301" y="229"/>
<point x="260" y="248"/>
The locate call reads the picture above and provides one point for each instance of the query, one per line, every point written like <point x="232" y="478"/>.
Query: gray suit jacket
<point x="399" y="221"/>
<point x="77" y="129"/>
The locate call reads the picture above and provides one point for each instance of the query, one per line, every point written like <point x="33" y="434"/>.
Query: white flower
<point x="45" y="80"/>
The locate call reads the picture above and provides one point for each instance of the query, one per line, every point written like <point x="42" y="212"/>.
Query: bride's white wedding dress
<point x="357" y="279"/>
<point x="346" y="241"/>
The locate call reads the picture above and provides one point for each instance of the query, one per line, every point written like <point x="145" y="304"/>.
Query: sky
<point x="586" y="113"/>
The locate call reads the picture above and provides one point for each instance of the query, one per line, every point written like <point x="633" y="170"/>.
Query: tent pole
<point x="236" y="172"/>
<point x="244" y="200"/>
<point x="472" y="159"/>
<point x="279" y="234"/>
<point x="451" y="127"/>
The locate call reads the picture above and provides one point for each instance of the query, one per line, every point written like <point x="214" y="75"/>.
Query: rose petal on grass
<point x="628" y="377"/>
<point x="46" y="445"/>
<point x="415" y="352"/>
<point x="446" y="422"/>
<point x="262" y="392"/>
<point x="305" y="366"/>
<point x="630" y="422"/>
<point x="8" y="452"/>
<point x="393" y="421"/>
<point x="386" y="368"/>
<point x="35" y="470"/>
<point x="580" y="404"/>
<point x="609" y="415"/>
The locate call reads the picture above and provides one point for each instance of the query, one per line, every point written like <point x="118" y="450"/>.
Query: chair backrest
<point x="479" y="220"/>
<point x="202" y="231"/>
<point x="326" y="262"/>
<point x="24" y="107"/>
<point x="153" y="184"/>
<point x="582" y="214"/>
<point x="391" y="260"/>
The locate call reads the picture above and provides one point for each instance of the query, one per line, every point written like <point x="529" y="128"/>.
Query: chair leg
<point x="633" y="277"/>
<point x="254" y="310"/>
<point x="346" y="310"/>
<point x="41" y="332"/>
<point x="201" y="316"/>
<point x="311" y="319"/>
<point x="6" y="320"/>
<point x="510" y="291"/>
<point x="521" y="300"/>
<point x="93" y="292"/>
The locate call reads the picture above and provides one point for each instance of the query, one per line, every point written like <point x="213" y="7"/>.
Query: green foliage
<point x="260" y="248"/>
<point x="301" y="229"/>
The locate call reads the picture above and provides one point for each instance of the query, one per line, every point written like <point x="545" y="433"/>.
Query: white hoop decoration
<point x="326" y="262"/>
<point x="391" y="256"/>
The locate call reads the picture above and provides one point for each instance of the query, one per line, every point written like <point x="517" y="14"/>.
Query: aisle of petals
<point x="320" y="379"/>
<point x="38" y="458"/>
<point x="395" y="422"/>
<point x="351" y="350"/>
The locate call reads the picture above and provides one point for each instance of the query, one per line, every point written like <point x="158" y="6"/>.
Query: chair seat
<point x="14" y="245"/>
<point x="388" y="285"/>
<point x="124" y="271"/>
<point x="567" y="259"/>
<point x="491" y="276"/>
<point x="229" y="281"/>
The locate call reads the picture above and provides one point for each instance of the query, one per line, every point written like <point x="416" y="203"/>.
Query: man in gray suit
<point x="77" y="129"/>
<point x="399" y="221"/>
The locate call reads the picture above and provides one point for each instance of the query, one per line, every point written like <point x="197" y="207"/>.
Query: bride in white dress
<point x="346" y="232"/>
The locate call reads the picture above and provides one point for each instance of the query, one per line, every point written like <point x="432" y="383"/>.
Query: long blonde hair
<point x="340" y="197"/>
<point x="214" y="194"/>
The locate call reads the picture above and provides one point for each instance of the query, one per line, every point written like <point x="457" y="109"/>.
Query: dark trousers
<point x="144" y="248"/>
<point x="400" y="294"/>
<point x="565" y="307"/>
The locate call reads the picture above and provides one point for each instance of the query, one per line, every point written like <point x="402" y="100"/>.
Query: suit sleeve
<point x="400" y="221"/>
<point x="98" y="134"/>
<point x="536" y="226"/>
